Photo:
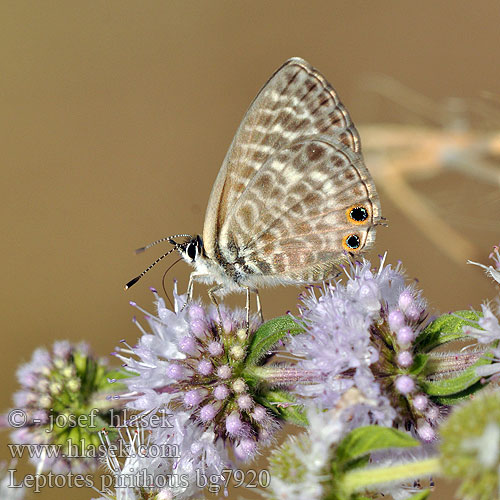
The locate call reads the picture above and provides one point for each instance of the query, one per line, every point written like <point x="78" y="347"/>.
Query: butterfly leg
<point x="247" y="308"/>
<point x="213" y="299"/>
<point x="190" y="287"/>
<point x="259" y="306"/>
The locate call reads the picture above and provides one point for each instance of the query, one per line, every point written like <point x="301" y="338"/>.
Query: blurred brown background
<point x="116" y="115"/>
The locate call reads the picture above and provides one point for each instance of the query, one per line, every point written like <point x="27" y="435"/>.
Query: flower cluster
<point x="330" y="462"/>
<point x="364" y="333"/>
<point x="362" y="368"/>
<point x="193" y="363"/>
<point x="63" y="401"/>
<point x="148" y="472"/>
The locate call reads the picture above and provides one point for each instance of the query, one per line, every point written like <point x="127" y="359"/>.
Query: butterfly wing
<point x="306" y="207"/>
<point x="296" y="101"/>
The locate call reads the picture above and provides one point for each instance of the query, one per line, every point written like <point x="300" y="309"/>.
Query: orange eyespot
<point x="351" y="242"/>
<point x="357" y="214"/>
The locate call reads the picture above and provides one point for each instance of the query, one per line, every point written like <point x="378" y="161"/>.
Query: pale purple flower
<point x="189" y="363"/>
<point x="494" y="270"/>
<point x="149" y="471"/>
<point x="200" y="453"/>
<point x="487" y="332"/>
<point x="337" y="340"/>
<point x="488" y="327"/>
<point x="360" y="334"/>
<point x="58" y="385"/>
<point x="405" y="384"/>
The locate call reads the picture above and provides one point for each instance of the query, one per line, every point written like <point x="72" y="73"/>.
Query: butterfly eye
<point x="351" y="242"/>
<point x="191" y="251"/>
<point x="357" y="214"/>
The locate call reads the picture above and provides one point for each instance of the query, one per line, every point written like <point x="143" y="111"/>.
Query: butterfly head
<point x="191" y="250"/>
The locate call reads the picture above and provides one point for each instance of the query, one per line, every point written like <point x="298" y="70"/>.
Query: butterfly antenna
<point x="137" y="278"/>
<point x="163" y="281"/>
<point x="161" y="240"/>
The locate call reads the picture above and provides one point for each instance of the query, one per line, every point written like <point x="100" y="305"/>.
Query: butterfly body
<point x="293" y="198"/>
<point x="229" y="270"/>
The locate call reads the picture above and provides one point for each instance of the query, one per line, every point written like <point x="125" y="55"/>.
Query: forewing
<point x="296" y="102"/>
<point x="294" y="218"/>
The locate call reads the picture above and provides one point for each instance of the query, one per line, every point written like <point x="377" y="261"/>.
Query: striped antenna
<point x="161" y="240"/>
<point x="137" y="278"/>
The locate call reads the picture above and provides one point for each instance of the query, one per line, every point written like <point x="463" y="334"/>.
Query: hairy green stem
<point x="365" y="479"/>
<point x="450" y="363"/>
<point x="282" y="375"/>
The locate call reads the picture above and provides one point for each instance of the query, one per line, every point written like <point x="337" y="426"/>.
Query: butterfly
<point x="293" y="199"/>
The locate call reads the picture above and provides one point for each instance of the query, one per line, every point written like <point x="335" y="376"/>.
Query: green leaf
<point x="421" y="495"/>
<point x="459" y="396"/>
<point x="446" y="328"/>
<point x="419" y="363"/>
<point x="364" y="440"/>
<point x="284" y="406"/>
<point x="268" y="335"/>
<point x="454" y="385"/>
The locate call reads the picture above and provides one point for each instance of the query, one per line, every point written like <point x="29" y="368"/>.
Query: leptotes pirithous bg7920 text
<point x="293" y="198"/>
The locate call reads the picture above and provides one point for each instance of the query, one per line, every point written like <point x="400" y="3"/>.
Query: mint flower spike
<point x="362" y="332"/>
<point x="494" y="270"/>
<point x="210" y="376"/>
<point x="64" y="400"/>
<point x="369" y="330"/>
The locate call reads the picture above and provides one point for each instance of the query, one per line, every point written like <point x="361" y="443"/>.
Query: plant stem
<point x="449" y="363"/>
<point x="283" y="375"/>
<point x="364" y="479"/>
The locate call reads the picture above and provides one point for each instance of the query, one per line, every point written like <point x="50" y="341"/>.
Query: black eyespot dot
<point x="358" y="214"/>
<point x="352" y="241"/>
<point x="191" y="251"/>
